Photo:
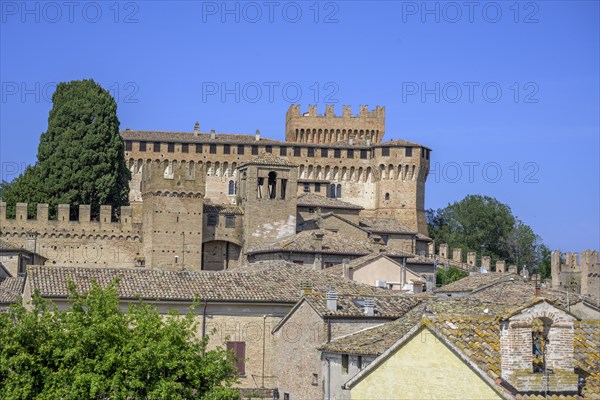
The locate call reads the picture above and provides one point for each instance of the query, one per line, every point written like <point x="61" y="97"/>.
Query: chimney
<point x="318" y="263"/>
<point x="538" y="290"/>
<point x="332" y="298"/>
<point x="196" y="128"/>
<point x="346" y="268"/>
<point x="257" y="135"/>
<point x="213" y="133"/>
<point x="305" y="288"/>
<point x="369" y="307"/>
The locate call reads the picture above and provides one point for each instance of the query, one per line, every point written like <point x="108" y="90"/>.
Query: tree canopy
<point x="94" y="350"/>
<point x="80" y="157"/>
<point x="485" y="225"/>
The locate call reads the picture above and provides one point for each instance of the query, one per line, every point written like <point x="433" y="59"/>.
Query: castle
<point x="208" y="200"/>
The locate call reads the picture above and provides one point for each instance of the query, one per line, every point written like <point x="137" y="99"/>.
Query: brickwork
<point x="577" y="274"/>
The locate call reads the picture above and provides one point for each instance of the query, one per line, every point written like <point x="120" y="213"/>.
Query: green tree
<point x="446" y="276"/>
<point x="80" y="157"/>
<point x="93" y="350"/>
<point x="523" y="245"/>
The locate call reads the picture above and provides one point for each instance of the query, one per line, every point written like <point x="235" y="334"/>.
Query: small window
<point x="387" y="196"/>
<point x="286" y="396"/>
<point x="269" y="149"/>
<point x="408" y="152"/>
<point x="351" y="153"/>
<point x="198" y="148"/>
<point x="306" y="187"/>
<point x="318" y="187"/>
<point x="315" y="380"/>
<point x="297" y="152"/>
<point x="363" y="154"/>
<point x="156" y="147"/>
<point x="239" y="354"/>
<point x="311" y="152"/>
<point x="185" y="148"/>
<point x="254" y="150"/>
<point x="227" y="149"/>
<point x="171" y="147"/>
<point x="359" y="363"/>
<point x="142" y="146"/>
<point x="240" y="149"/>
<point x="212" y="220"/>
<point x="259" y="183"/>
<point x="283" y="151"/>
<point x="338" y="191"/>
<point x="385" y="151"/>
<point x="128" y="145"/>
<point x="337" y="153"/>
<point x="331" y="191"/>
<point x="213" y="149"/>
<point x="344" y="363"/>
<point x="231" y="188"/>
<point x="324" y="152"/>
<point x="230" y="221"/>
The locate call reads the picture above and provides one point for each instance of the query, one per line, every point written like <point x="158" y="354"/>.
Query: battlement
<point x="173" y="177"/>
<point x="311" y="127"/>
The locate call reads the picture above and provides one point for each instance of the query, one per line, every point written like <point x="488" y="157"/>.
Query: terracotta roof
<point x="270" y="159"/>
<point x="315" y="200"/>
<point x="389" y="305"/>
<point x="475" y="281"/>
<point x="384" y="225"/>
<point x="273" y="281"/>
<point x="223" y="209"/>
<point x="331" y="242"/>
<point x="397" y="142"/>
<point x="190" y="137"/>
<point x="11" y="289"/>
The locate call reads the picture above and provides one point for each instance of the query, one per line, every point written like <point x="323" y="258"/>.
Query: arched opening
<point x="231" y="188"/>
<point x="338" y="191"/>
<point x="387" y="197"/>
<point x="272" y="185"/>
<point x="331" y="191"/>
<point x="540" y="327"/>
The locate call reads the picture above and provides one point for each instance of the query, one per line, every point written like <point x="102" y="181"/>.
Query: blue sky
<point x="506" y="94"/>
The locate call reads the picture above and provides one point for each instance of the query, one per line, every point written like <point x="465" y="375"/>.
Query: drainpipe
<point x="262" y="385"/>
<point x="328" y="378"/>
<point x="204" y="319"/>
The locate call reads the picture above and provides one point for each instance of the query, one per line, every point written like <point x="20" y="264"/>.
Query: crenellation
<point x="85" y="212"/>
<point x="21" y="212"/>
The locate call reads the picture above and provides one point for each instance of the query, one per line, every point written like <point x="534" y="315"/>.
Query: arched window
<point x="338" y="191"/>
<point x="272" y="188"/>
<point x="539" y="338"/>
<point x="331" y="191"/>
<point x="387" y="196"/>
<point x="231" y="190"/>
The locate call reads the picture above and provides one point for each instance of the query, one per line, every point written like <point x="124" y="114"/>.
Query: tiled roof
<point x="397" y="142"/>
<point x="263" y="281"/>
<point x="315" y="200"/>
<point x="190" y="137"/>
<point x="384" y="225"/>
<point x="4" y="245"/>
<point x="390" y="305"/>
<point x="11" y="289"/>
<point x="270" y="159"/>
<point x="223" y="209"/>
<point x="475" y="281"/>
<point x="331" y="242"/>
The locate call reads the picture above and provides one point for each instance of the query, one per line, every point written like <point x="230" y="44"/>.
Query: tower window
<point x="283" y="151"/>
<point x="212" y="220"/>
<point x="185" y="148"/>
<point x="363" y="154"/>
<point x="324" y="152"/>
<point x="408" y="152"/>
<point x="297" y="151"/>
<point x="226" y="149"/>
<point x="269" y="149"/>
<point x="306" y="187"/>
<point x="128" y="145"/>
<point x="231" y="188"/>
<point x="338" y="191"/>
<point x="387" y="196"/>
<point x="272" y="185"/>
<point x="385" y="151"/>
<point x="351" y="153"/>
<point x="240" y="149"/>
<point x="198" y="148"/>
<point x="213" y="149"/>
<point x="337" y="153"/>
<point x="331" y="191"/>
<point x="230" y="221"/>
<point x="171" y="147"/>
<point x="317" y="187"/>
<point x="260" y="183"/>
<point x="142" y="146"/>
<point x="254" y="150"/>
<point x="311" y="152"/>
<point x="156" y="147"/>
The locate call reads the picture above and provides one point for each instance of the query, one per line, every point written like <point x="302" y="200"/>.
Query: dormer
<point x="537" y="350"/>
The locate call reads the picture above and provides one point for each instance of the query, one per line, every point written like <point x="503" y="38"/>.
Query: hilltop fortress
<point x="208" y="200"/>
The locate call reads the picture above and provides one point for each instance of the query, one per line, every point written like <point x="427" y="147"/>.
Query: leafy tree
<point x="446" y="276"/>
<point x="93" y="350"/>
<point x="523" y="245"/>
<point x="80" y="157"/>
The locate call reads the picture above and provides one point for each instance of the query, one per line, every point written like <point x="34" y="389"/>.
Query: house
<point x="14" y="258"/>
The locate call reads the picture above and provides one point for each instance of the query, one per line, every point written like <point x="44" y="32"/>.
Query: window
<point x="212" y="220"/>
<point x="226" y="149"/>
<point x="338" y="191"/>
<point x="385" y="151"/>
<point x="171" y="147"/>
<point x="408" y="152"/>
<point x="239" y="352"/>
<point x="385" y="238"/>
<point x="283" y="188"/>
<point x="387" y="196"/>
<point x="128" y="145"/>
<point x="142" y="146"/>
<point x="306" y="187"/>
<point x="198" y="148"/>
<point x="324" y="152"/>
<point x="311" y="152"/>
<point x="260" y="182"/>
<point x="254" y="150"/>
<point x="427" y="154"/>
<point x="283" y="151"/>
<point x="272" y="185"/>
<point x="269" y="149"/>
<point x="351" y="153"/>
<point x="231" y="188"/>
<point x="213" y="149"/>
<point x="240" y="149"/>
<point x="230" y="221"/>
<point x="359" y="363"/>
<point x="156" y="147"/>
<point x="331" y="191"/>
<point x="185" y="148"/>
<point x="363" y="154"/>
<point x="297" y="152"/>
<point x="318" y="187"/>
<point x="286" y="396"/>
<point x="344" y="363"/>
<point x="315" y="380"/>
<point x="311" y="210"/>
<point x="337" y="153"/>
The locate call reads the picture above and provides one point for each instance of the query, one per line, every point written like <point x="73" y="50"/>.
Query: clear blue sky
<point x="491" y="88"/>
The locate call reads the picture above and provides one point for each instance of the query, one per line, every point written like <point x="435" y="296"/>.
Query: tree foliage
<point x="93" y="350"/>
<point x="484" y="225"/>
<point x="446" y="276"/>
<point x="80" y="157"/>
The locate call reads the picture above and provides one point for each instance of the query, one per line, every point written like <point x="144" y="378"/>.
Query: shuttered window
<point x="239" y="352"/>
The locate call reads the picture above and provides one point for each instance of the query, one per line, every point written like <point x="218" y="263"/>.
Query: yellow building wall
<point x="424" y="368"/>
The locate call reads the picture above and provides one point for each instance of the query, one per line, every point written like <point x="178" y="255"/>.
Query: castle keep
<point x="203" y="200"/>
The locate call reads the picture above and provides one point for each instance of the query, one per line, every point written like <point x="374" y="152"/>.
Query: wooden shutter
<point x="239" y="352"/>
